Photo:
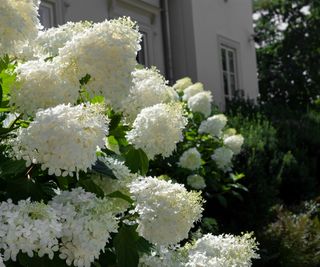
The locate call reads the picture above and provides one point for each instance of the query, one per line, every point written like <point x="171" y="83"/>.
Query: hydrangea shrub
<point x="75" y="184"/>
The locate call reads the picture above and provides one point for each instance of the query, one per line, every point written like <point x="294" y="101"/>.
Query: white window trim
<point x="235" y="46"/>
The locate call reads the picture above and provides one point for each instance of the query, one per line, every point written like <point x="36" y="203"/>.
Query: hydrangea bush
<point x="80" y="123"/>
<point x="203" y="160"/>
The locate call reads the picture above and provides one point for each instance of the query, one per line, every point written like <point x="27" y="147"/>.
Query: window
<point x="51" y="13"/>
<point x="147" y="13"/>
<point x="229" y="71"/>
<point x="46" y="14"/>
<point x="142" y="57"/>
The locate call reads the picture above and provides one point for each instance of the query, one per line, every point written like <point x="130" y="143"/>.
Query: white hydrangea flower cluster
<point x="167" y="211"/>
<point x="19" y="23"/>
<point x="213" y="125"/>
<point x="190" y="159"/>
<point x="1" y="262"/>
<point x="40" y="85"/>
<point x="182" y="84"/>
<point x="107" y="52"/>
<point x="201" y="102"/>
<point x="87" y="222"/>
<point x="49" y="41"/>
<point x="234" y="142"/>
<point x="149" y="88"/>
<point x="192" y="90"/>
<point x="29" y="228"/>
<point x="223" y="156"/>
<point x="162" y="256"/>
<point x="196" y="181"/>
<point x="158" y="129"/>
<point x="222" y="251"/>
<point x="207" y="251"/>
<point x="63" y="139"/>
<point x="75" y="224"/>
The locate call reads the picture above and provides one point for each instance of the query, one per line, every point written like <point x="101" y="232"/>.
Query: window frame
<point x="233" y="47"/>
<point x="147" y="13"/>
<point x="56" y="9"/>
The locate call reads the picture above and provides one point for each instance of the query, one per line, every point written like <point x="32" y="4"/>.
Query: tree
<point x="288" y="41"/>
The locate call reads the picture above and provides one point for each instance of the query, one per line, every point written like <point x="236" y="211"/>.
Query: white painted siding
<point x="230" y="20"/>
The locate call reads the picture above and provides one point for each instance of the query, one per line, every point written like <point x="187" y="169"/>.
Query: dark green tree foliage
<point x="288" y="57"/>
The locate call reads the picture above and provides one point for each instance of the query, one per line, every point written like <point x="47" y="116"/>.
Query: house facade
<point x="210" y="41"/>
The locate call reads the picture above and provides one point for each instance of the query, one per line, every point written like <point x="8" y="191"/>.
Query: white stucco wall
<point x="230" y="19"/>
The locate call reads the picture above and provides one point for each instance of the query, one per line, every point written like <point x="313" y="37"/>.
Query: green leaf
<point x="7" y="78"/>
<point x="102" y="168"/>
<point x="112" y="144"/>
<point x="108" y="258"/>
<point x="9" y="167"/>
<point x="89" y="186"/>
<point x="237" y="176"/>
<point x="97" y="99"/>
<point x="4" y="62"/>
<point x="84" y="80"/>
<point x="1" y="93"/>
<point x="119" y="131"/>
<point x="63" y="182"/>
<point x="115" y="120"/>
<point x="143" y="245"/>
<point x="137" y="161"/>
<point x="5" y="131"/>
<point x="44" y="261"/>
<point x="118" y="194"/>
<point x="128" y="244"/>
<point x="23" y="187"/>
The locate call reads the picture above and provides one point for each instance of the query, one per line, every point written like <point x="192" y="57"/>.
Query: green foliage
<point x="281" y="160"/>
<point x="137" y="160"/>
<point x="294" y="238"/>
<point x="288" y="58"/>
<point x="128" y="244"/>
<point x="261" y="160"/>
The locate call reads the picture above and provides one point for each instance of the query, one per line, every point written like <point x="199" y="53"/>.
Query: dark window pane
<point x="232" y="84"/>
<point x="224" y="59"/>
<point x="231" y="61"/>
<point x="225" y="83"/>
<point x="141" y="56"/>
